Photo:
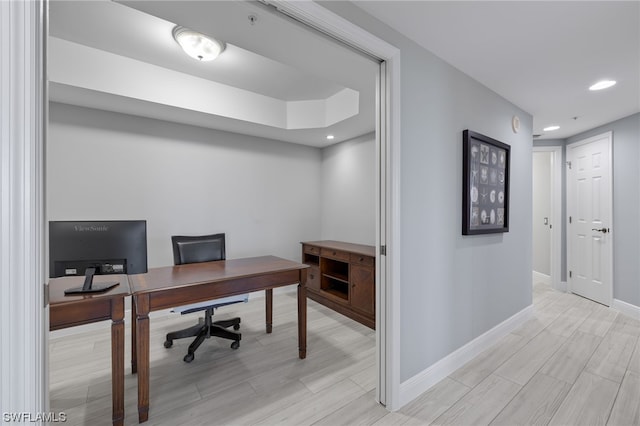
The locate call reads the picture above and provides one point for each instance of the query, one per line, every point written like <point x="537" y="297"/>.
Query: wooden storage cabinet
<point x="342" y="277"/>
<point x="313" y="275"/>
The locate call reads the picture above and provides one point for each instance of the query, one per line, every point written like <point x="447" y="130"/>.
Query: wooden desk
<point x="162" y="288"/>
<point x="69" y="311"/>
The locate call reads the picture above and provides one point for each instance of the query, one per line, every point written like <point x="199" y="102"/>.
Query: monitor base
<point x="95" y="288"/>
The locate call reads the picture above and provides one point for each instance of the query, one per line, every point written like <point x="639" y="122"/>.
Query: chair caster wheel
<point x="236" y="326"/>
<point x="168" y="343"/>
<point x="235" y="345"/>
<point x="188" y="357"/>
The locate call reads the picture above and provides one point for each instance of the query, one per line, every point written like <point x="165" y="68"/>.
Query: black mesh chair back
<point x="196" y="249"/>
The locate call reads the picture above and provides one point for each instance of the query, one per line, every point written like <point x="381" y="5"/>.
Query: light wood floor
<point x="575" y="363"/>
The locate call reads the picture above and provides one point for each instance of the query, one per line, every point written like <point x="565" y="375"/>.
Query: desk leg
<point x="142" y="345"/>
<point x="134" y="349"/>
<point x="117" y="360"/>
<point x="302" y="315"/>
<point x="268" y="293"/>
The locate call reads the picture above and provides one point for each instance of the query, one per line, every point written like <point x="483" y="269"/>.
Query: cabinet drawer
<point x="310" y="249"/>
<point x="360" y="259"/>
<point x="335" y="254"/>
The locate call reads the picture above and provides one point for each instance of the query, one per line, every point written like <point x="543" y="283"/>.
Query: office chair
<point x="197" y="249"/>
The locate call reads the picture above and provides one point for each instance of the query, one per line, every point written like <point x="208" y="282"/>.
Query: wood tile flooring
<point x="575" y="363"/>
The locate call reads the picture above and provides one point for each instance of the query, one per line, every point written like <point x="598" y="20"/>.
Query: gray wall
<point x="348" y="198"/>
<point x="626" y="205"/>
<point x="183" y="180"/>
<point x="541" y="209"/>
<point x="453" y="288"/>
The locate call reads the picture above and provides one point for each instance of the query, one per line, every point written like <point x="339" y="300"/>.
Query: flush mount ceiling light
<point x="196" y="45"/>
<point x="604" y="84"/>
<point x="551" y="128"/>
<point x="330" y="137"/>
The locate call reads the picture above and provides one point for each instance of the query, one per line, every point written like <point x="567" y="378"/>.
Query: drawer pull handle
<point x="362" y="259"/>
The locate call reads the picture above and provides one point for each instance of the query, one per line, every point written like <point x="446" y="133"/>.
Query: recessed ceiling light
<point x="196" y="45"/>
<point x="330" y="137"/>
<point x="602" y="85"/>
<point x="551" y="128"/>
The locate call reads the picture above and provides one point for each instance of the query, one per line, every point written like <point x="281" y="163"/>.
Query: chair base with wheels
<point x="206" y="328"/>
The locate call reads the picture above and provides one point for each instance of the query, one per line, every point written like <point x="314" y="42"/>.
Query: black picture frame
<point x="485" y="184"/>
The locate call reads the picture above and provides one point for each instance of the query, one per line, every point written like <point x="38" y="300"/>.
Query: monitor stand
<point x="88" y="286"/>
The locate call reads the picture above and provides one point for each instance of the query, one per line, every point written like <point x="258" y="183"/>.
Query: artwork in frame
<point x="485" y="184"/>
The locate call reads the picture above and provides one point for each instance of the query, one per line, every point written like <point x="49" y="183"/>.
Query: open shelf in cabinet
<point x="335" y="287"/>
<point x="335" y="269"/>
<point x="311" y="259"/>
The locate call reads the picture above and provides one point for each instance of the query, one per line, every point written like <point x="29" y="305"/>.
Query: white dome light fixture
<point x="196" y="45"/>
<point x="604" y="84"/>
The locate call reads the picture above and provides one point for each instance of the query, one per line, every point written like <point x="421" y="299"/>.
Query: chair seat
<point x="215" y="303"/>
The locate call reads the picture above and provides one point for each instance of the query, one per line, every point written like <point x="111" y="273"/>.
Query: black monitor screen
<point x="111" y="247"/>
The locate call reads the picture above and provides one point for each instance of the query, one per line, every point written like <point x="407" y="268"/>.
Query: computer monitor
<point x="97" y="247"/>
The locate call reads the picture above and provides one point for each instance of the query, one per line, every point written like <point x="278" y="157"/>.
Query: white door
<point x="589" y="210"/>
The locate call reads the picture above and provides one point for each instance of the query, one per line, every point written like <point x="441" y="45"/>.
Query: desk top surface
<point x="341" y="245"/>
<point x="57" y="286"/>
<point x="209" y="272"/>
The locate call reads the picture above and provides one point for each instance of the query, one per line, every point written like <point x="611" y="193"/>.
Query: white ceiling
<point x="540" y="55"/>
<point x="268" y="59"/>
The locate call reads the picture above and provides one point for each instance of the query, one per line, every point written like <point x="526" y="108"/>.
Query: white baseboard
<point x="421" y="382"/>
<point x="626" y="308"/>
<point x="539" y="277"/>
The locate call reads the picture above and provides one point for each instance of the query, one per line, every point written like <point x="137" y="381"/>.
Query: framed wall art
<point x="485" y="184"/>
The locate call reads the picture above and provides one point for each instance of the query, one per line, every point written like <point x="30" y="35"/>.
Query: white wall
<point x="348" y="199"/>
<point x="183" y="180"/>
<point x="541" y="209"/>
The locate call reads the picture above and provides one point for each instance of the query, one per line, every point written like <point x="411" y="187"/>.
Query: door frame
<point x="609" y="207"/>
<point x="556" y="215"/>
<point x="33" y="364"/>
<point x="387" y="184"/>
<point x="23" y="117"/>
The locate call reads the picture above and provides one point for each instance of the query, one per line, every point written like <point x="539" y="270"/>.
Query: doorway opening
<point x="547" y="216"/>
<point x="386" y="216"/>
